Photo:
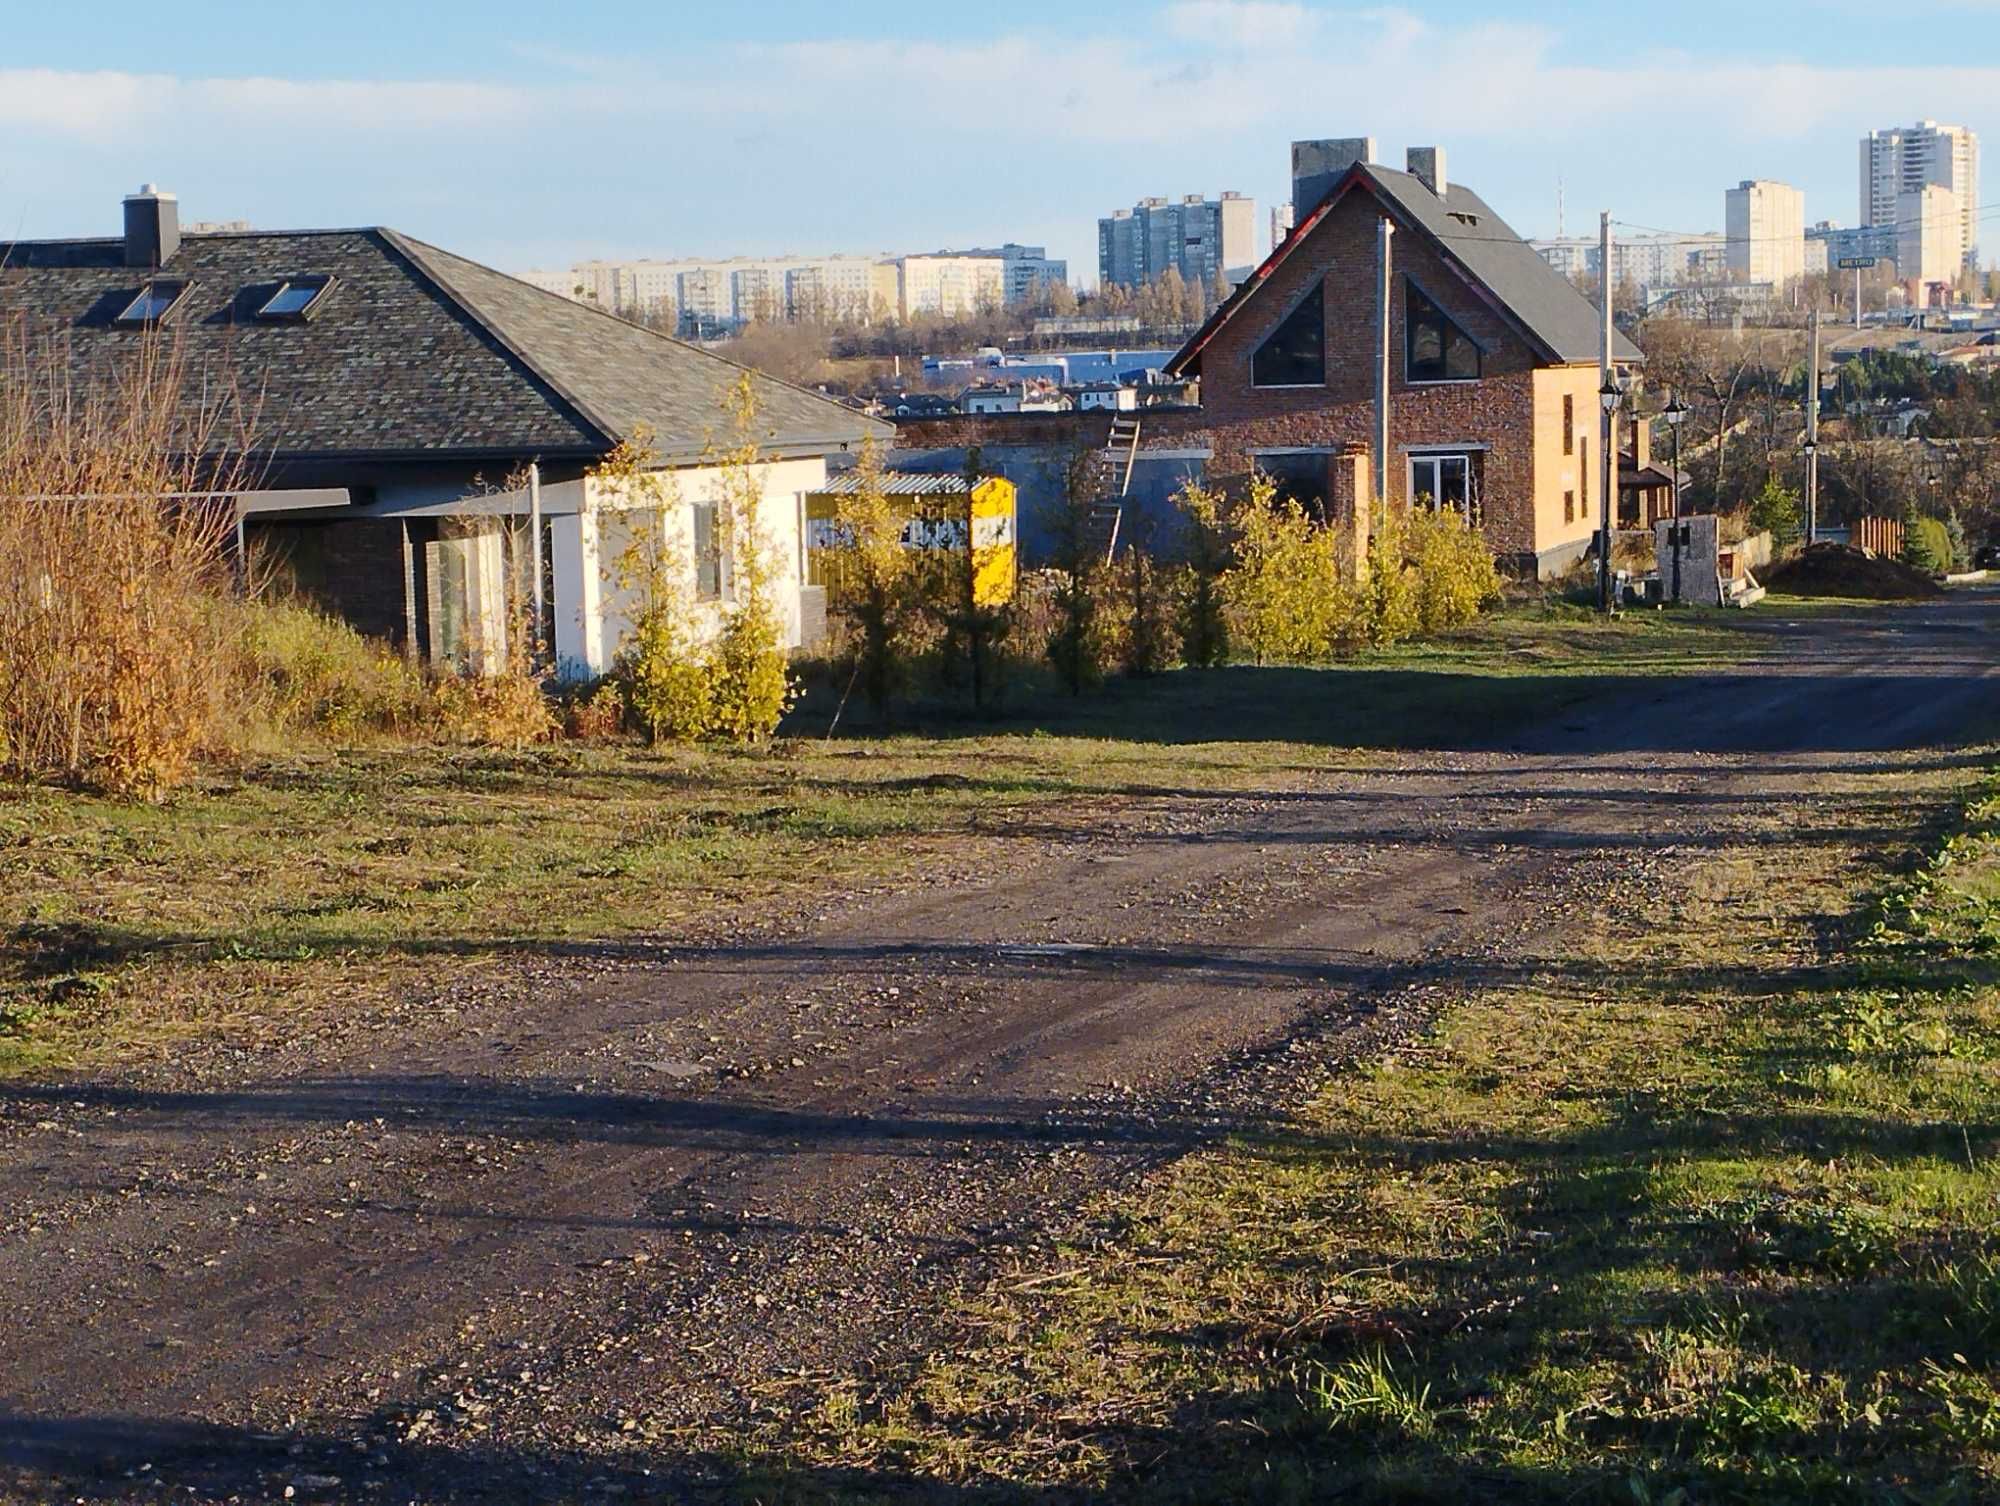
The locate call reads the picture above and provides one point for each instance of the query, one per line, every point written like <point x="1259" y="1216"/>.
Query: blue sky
<point x="537" y="134"/>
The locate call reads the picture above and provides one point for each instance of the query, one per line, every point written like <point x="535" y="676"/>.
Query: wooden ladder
<point x="1116" y="462"/>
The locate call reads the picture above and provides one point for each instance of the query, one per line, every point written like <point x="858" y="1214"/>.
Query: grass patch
<point x="1671" y="1226"/>
<point x="307" y="881"/>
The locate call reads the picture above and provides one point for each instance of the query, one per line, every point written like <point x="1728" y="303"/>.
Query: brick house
<point x="1492" y="360"/>
<point x="387" y="400"/>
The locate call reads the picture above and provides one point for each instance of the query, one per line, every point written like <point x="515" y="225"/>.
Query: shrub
<point x="597" y="716"/>
<point x="967" y="639"/>
<point x="869" y="573"/>
<point x="509" y="709"/>
<point x="665" y="676"/>
<point x="1775" y="510"/>
<point x="114" y="670"/>
<point x="752" y="685"/>
<point x="307" y="672"/>
<point x="1076" y="646"/>
<point x="1958" y="549"/>
<point x="1146" y="589"/>
<point x="1202" y="618"/>
<point x="1391" y="595"/>
<point x="1287" y="598"/>
<point x="1926" y="544"/>
<point x="1455" y="573"/>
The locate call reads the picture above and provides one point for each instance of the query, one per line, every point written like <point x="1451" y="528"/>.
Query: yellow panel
<point x="995" y="542"/>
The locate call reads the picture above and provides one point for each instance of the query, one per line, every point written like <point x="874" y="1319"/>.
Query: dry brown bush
<point x="114" y="669"/>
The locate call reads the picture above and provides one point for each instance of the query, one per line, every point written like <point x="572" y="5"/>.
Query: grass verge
<point x="248" y="900"/>
<point x="1709" y="1217"/>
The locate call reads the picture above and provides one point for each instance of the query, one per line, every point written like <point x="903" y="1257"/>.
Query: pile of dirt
<point x="1836" y="570"/>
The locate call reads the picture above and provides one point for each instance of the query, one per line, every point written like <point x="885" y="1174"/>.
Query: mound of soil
<point x="1836" y="570"/>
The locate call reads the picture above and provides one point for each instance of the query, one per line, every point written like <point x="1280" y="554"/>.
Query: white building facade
<point x="1907" y="160"/>
<point x="1766" y="232"/>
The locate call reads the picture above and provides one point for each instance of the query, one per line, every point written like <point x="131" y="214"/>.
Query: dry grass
<point x="113" y="670"/>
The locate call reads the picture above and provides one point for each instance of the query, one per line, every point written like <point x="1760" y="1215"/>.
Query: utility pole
<point x="1607" y="392"/>
<point x="1812" y="429"/>
<point x="535" y="553"/>
<point x="1385" y="313"/>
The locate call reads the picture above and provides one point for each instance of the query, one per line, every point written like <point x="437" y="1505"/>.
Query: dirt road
<point x="514" y="1252"/>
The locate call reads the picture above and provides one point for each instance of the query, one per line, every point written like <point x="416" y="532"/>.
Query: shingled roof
<point x="1557" y="321"/>
<point x="412" y="353"/>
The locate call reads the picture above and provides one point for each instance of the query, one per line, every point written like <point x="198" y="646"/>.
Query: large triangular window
<point x="1294" y="354"/>
<point x="1434" y="348"/>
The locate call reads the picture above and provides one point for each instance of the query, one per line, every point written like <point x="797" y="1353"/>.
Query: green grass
<point x="261" y="894"/>
<point x="1711" y="1214"/>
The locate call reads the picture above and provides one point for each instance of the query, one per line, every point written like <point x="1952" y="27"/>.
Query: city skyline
<point x="854" y="142"/>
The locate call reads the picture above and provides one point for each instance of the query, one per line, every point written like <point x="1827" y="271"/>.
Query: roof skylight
<point x="295" y="299"/>
<point x="156" y="300"/>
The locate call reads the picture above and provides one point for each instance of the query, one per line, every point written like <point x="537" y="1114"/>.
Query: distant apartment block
<point x="563" y="281"/>
<point x="1026" y="271"/>
<point x="1202" y="239"/>
<point x="704" y="298"/>
<point x="946" y="286"/>
<point x="1645" y="261"/>
<point x="1851" y="242"/>
<point x="1907" y="160"/>
<point x="1766" y="225"/>
<point x="1283" y="218"/>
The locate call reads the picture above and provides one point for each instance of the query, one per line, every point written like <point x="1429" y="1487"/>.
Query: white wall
<point x="593" y="610"/>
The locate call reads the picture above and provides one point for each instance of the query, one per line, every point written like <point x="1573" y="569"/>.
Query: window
<point x="707" y="554"/>
<point x="294" y="300"/>
<point x="1434" y="348"/>
<point x="154" y="302"/>
<point x="1446" y="481"/>
<point x="1294" y="354"/>
<point x="1569" y="423"/>
<point x="1301" y="477"/>
<point x="1569" y="507"/>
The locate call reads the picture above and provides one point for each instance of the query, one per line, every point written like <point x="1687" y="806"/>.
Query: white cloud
<point x="844" y="144"/>
<point x="1240" y="23"/>
<point x="101" y="106"/>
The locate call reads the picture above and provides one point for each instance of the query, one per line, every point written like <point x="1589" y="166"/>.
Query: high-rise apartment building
<point x="1766" y="227"/>
<point x="1202" y="239"/>
<point x="1930" y="237"/>
<point x="1283" y="218"/>
<point x="1908" y="159"/>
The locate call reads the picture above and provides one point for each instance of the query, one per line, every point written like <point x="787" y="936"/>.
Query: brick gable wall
<point x="1495" y="414"/>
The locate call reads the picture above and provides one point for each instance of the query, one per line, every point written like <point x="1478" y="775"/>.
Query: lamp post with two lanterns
<point x="1676" y="415"/>
<point x="1610" y="395"/>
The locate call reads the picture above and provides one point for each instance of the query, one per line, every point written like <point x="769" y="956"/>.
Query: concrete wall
<point x="1039" y="473"/>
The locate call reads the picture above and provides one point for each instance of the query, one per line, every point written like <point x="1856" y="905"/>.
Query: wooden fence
<point x="1882" y="536"/>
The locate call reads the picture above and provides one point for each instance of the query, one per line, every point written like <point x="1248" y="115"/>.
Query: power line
<point x="1712" y="235"/>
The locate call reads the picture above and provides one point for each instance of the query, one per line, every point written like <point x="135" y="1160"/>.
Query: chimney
<point x="1427" y="167"/>
<point x="1642" y="443"/>
<point x="152" y="228"/>
<point x="1318" y="167"/>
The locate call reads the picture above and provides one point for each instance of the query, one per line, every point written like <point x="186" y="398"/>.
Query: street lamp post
<point x="1609" y="395"/>
<point x="1676" y="415"/>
